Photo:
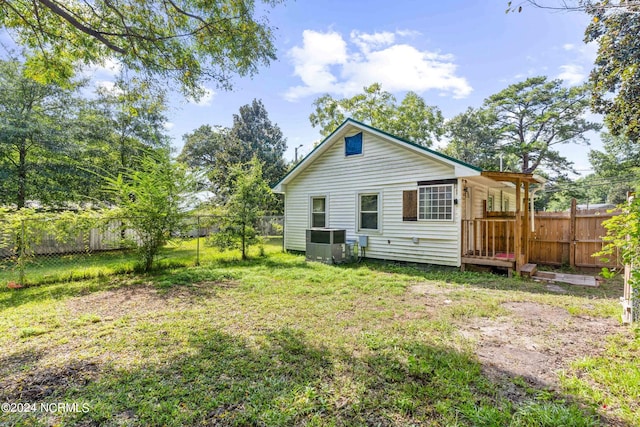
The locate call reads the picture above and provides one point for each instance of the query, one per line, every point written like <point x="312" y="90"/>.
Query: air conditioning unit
<point x="327" y="245"/>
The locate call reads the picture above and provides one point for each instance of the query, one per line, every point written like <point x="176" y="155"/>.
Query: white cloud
<point x="568" y="46"/>
<point x="313" y="60"/>
<point x="366" y="41"/>
<point x="109" y="68"/>
<point x="325" y="64"/>
<point x="408" y="33"/>
<point x="205" y="100"/>
<point x="169" y="125"/>
<point x="108" y="86"/>
<point x="572" y="74"/>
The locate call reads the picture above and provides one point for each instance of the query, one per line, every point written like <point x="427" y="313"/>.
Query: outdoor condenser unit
<point x="327" y="245"/>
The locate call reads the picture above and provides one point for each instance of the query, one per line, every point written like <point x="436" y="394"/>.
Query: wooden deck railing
<point x="491" y="238"/>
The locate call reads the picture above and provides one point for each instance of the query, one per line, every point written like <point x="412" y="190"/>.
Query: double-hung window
<point x="435" y="202"/>
<point x="318" y="212"/>
<point x="368" y="211"/>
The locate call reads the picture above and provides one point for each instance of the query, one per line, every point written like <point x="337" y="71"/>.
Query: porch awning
<point x="514" y="177"/>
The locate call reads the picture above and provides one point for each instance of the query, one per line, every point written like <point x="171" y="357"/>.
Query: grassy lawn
<point x="278" y="341"/>
<point x="57" y="268"/>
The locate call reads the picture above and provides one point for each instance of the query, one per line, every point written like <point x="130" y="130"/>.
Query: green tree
<point x="151" y="200"/>
<point x="205" y="150"/>
<point x="619" y="157"/>
<point x="623" y="237"/>
<point x="474" y="139"/>
<point x="415" y="121"/>
<point x="412" y="119"/>
<point x="134" y="114"/>
<point x="253" y="134"/>
<point x="250" y="197"/>
<point x="618" y="165"/>
<point x="534" y="116"/>
<point x="616" y="74"/>
<point x="188" y="41"/>
<point x="204" y="147"/>
<point x="217" y="149"/>
<point x="35" y="124"/>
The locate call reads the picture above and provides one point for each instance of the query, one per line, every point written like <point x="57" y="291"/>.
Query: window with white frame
<point x="368" y="211"/>
<point x="435" y="202"/>
<point x="318" y="212"/>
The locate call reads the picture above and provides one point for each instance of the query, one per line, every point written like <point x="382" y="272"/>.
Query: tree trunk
<point x="22" y="176"/>
<point x="525" y="162"/>
<point x="243" y="237"/>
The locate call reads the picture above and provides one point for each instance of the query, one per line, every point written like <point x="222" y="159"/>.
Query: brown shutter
<point x="410" y="205"/>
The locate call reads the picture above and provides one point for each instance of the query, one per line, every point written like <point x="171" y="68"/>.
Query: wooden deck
<point x="489" y="241"/>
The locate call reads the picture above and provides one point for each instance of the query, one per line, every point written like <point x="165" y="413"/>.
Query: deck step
<point x="529" y="270"/>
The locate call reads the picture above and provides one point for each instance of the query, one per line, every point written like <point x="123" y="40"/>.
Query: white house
<point x="413" y="203"/>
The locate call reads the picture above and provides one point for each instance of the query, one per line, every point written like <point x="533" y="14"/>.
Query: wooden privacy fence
<point x="570" y="238"/>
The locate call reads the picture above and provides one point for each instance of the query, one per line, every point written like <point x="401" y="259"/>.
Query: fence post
<point x="572" y="233"/>
<point x="198" y="240"/>
<point x="21" y="255"/>
<point x="630" y="299"/>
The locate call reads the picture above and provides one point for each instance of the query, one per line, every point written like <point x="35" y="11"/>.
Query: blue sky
<point x="453" y="53"/>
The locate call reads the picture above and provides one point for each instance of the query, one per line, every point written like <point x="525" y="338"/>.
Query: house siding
<point x="481" y="193"/>
<point x="385" y="168"/>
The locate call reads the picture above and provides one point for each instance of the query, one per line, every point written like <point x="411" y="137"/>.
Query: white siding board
<point x="386" y="168"/>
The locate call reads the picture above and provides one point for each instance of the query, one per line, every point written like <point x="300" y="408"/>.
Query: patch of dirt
<point x="536" y="341"/>
<point x="428" y="289"/>
<point x="140" y="299"/>
<point x="436" y="297"/>
<point x="42" y="383"/>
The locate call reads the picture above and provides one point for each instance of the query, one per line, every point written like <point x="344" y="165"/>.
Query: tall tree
<point x="616" y="74"/>
<point x="474" y="139"/>
<point x="217" y="150"/>
<point x="412" y="119"/>
<point x="620" y="156"/>
<point x="188" y="41"/>
<point x="34" y="123"/>
<point x="618" y="164"/>
<point x="253" y="134"/>
<point x="534" y="116"/>
<point x="415" y="121"/>
<point x="205" y="150"/>
<point x="204" y="147"/>
<point x="134" y="113"/>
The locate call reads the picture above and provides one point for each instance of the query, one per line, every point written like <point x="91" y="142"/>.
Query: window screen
<point x="318" y="212"/>
<point x="368" y="211"/>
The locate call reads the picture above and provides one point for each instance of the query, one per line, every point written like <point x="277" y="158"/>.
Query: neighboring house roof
<point x="462" y="168"/>
<point x="595" y="206"/>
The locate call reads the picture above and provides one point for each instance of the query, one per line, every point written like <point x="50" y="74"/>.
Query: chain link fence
<point x="35" y="251"/>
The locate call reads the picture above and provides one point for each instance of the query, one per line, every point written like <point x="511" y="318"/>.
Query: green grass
<point x="59" y="268"/>
<point x="277" y="341"/>
<point x="612" y="380"/>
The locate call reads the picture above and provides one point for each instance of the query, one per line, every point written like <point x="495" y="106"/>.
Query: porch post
<point x="526" y="230"/>
<point x="517" y="238"/>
